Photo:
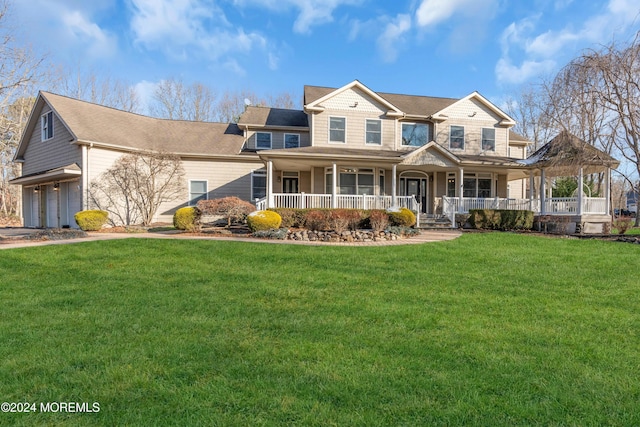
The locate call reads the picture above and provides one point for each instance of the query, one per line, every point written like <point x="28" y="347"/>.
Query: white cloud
<point x="311" y="13"/>
<point x="99" y="43"/>
<point x="433" y="12"/>
<point x="184" y="29"/>
<point x="508" y="73"/>
<point x="392" y="38"/>
<point x="145" y="90"/>
<point x="540" y="53"/>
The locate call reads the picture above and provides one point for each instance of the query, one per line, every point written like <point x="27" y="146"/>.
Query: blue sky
<point x="426" y="47"/>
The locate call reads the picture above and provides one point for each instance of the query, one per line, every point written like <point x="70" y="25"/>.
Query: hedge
<point x="402" y="217"/>
<point x="91" y="220"/>
<point x="501" y="219"/>
<point x="187" y="218"/>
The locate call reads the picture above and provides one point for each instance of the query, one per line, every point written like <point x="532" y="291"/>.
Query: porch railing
<point x="343" y="201"/>
<point x="553" y="206"/>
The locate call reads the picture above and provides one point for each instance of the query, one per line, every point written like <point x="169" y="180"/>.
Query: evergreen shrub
<point x="263" y="220"/>
<point x="91" y="220"/>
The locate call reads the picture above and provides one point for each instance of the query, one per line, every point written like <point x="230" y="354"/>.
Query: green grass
<point x="489" y="329"/>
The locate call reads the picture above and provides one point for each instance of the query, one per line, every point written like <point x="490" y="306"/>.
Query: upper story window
<point x="291" y="140"/>
<point x="337" y="129"/>
<point x="489" y="139"/>
<point x="456" y="138"/>
<point x="47" y="125"/>
<point x="414" y="134"/>
<point x="374" y="131"/>
<point x="263" y="140"/>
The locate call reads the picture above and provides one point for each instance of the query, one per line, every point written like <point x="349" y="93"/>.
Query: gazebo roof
<point x="565" y="154"/>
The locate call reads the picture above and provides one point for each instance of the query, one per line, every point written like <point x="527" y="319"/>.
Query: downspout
<point x="85" y="178"/>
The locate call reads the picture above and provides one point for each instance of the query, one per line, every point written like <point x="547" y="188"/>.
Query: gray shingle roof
<point x="96" y="123"/>
<point x="265" y="116"/>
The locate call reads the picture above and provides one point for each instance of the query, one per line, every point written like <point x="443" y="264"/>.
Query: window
<point x="258" y="184"/>
<point x="477" y="185"/>
<point x="451" y="185"/>
<point x="488" y="139"/>
<point x="456" y="138"/>
<point x="414" y="134"/>
<point x="352" y="181"/>
<point x="263" y="140"/>
<point x="291" y="140"/>
<point x="374" y="132"/>
<point x="197" y="192"/>
<point x="337" y="129"/>
<point x="47" y="125"/>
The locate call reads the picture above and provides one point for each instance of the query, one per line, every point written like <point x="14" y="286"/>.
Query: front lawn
<point x="488" y="329"/>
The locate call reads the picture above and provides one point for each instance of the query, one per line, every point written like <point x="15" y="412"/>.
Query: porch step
<point x="431" y="222"/>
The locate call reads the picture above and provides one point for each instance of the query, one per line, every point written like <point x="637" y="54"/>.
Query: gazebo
<point x="568" y="156"/>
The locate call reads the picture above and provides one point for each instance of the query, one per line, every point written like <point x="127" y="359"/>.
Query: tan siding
<point x="462" y="114"/>
<point x="502" y="186"/>
<point x="223" y="178"/>
<point x="341" y="105"/>
<point x="318" y="176"/>
<point x="100" y="160"/>
<point x="517" y="189"/>
<point x="53" y="153"/>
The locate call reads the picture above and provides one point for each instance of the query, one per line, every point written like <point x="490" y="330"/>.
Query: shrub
<point x="500" y="219"/>
<point x="623" y="224"/>
<point x="403" y="231"/>
<point x="402" y="217"/>
<point x="339" y="220"/>
<point x="263" y="220"/>
<point x="316" y="219"/>
<point x="91" y="220"/>
<point x="378" y="220"/>
<point x="187" y="218"/>
<point x="233" y="209"/>
<point x="289" y="216"/>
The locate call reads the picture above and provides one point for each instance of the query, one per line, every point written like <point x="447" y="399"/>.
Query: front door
<point x="417" y="187"/>
<point x="289" y="185"/>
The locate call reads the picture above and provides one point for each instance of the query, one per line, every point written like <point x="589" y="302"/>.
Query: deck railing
<point x="343" y="201"/>
<point x="553" y="206"/>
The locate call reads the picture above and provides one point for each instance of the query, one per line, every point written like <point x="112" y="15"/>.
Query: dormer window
<point x="488" y="139"/>
<point x="263" y="140"/>
<point x="46" y="122"/>
<point x="456" y="138"/>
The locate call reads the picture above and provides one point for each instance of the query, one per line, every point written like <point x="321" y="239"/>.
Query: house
<point x="349" y="147"/>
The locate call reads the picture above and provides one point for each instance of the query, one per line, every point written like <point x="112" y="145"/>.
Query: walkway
<point x="426" y="236"/>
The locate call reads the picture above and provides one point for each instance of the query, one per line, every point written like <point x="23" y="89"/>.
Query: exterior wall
<point x="50" y="154"/>
<point x="502" y="186"/>
<point x="277" y="138"/>
<point x="224" y="178"/>
<point x="342" y="105"/>
<point x="517" y="189"/>
<point x="462" y="114"/>
<point x="518" y="152"/>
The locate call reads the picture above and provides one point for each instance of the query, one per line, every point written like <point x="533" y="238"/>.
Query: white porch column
<point x="531" y="185"/>
<point x="543" y="202"/>
<point x="394" y="184"/>
<point x="607" y="191"/>
<point x="270" y="184"/>
<point x="460" y="191"/>
<point x="580" y="190"/>
<point x="334" y="186"/>
<point x="85" y="177"/>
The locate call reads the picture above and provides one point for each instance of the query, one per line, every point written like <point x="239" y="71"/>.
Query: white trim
<point x="49" y="127"/>
<point x="206" y="192"/>
<point x="464" y="137"/>
<point x="270" y="140"/>
<point x="393" y="110"/>
<point x="261" y="172"/>
<point x="366" y="132"/>
<point x="329" y="130"/>
<point x="284" y="140"/>
<point x="506" y="121"/>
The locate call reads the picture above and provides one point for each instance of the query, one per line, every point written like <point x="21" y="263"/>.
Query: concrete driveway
<point x="16" y="232"/>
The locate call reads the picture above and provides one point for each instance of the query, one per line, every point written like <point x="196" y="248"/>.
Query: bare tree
<point x="532" y="122"/>
<point x="88" y="85"/>
<point x="232" y="104"/>
<point x="133" y="189"/>
<point x="19" y="70"/>
<point x="172" y="99"/>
